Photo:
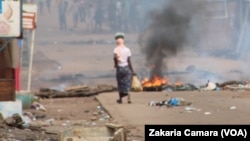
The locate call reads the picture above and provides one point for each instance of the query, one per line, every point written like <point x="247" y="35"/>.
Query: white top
<point x="122" y="55"/>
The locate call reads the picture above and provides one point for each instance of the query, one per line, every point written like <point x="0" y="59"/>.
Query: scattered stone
<point x="10" y="121"/>
<point x="232" y="108"/>
<point x="207" y="113"/>
<point x="95" y="114"/>
<point x="29" y="114"/>
<point x="39" y="124"/>
<point x="38" y="106"/>
<point x="27" y="121"/>
<point x="86" y="111"/>
<point x="190" y="109"/>
<point x="94" y="118"/>
<point x="14" y="121"/>
<point x="39" y="115"/>
<point x="59" y="110"/>
<point x="1" y="117"/>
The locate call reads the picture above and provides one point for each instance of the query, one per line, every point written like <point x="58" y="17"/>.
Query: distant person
<point x="75" y="13"/>
<point x="118" y="15"/>
<point x="82" y="7"/>
<point x="48" y="3"/>
<point x="99" y="17"/>
<point x="111" y="14"/>
<point x="126" y="20"/>
<point x="139" y="17"/>
<point x="124" y="69"/>
<point x="62" y="9"/>
<point x="90" y="18"/>
<point x="133" y="15"/>
<point x="40" y="6"/>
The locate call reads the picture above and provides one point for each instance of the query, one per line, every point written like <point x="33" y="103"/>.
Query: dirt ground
<point x="69" y="58"/>
<point x="61" y="114"/>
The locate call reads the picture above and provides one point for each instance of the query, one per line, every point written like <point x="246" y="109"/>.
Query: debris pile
<point x="74" y="91"/>
<point x="40" y="123"/>
<point x="23" y="127"/>
<point x="170" y="103"/>
<point x="235" y="85"/>
<point x="209" y="86"/>
<point x="228" y="85"/>
<point x="24" y="120"/>
<point x="181" y="87"/>
<point x="14" y="121"/>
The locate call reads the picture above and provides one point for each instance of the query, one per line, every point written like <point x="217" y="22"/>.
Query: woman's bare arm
<point x="130" y="65"/>
<point x="115" y="61"/>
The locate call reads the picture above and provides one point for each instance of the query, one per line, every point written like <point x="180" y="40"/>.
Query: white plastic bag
<point x="136" y="85"/>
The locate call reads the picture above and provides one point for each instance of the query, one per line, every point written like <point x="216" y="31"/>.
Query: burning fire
<point x="155" y="82"/>
<point x="178" y="83"/>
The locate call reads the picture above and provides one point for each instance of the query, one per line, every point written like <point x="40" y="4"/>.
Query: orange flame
<point x="155" y="82"/>
<point x="178" y="83"/>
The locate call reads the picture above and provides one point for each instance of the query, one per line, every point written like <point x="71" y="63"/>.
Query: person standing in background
<point x="112" y="14"/>
<point x="90" y="18"/>
<point x="118" y="15"/>
<point x="123" y="66"/>
<point x="48" y="3"/>
<point x="40" y="6"/>
<point x="99" y="17"/>
<point x="62" y="10"/>
<point x="133" y="15"/>
<point x="82" y="7"/>
<point x="75" y="13"/>
<point x="127" y="4"/>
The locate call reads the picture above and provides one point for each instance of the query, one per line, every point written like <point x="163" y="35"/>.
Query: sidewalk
<point x="212" y="108"/>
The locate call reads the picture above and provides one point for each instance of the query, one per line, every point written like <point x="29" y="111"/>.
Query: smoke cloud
<point x="170" y="30"/>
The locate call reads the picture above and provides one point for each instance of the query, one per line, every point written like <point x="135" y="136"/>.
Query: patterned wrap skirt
<point x="124" y="76"/>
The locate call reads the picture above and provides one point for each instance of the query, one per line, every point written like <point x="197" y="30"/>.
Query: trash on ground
<point x="170" y="103"/>
<point x="232" y="108"/>
<point x="210" y="86"/>
<point x="192" y="109"/>
<point x="207" y="113"/>
<point x="38" y="106"/>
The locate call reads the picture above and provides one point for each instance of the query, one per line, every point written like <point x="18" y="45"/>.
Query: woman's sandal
<point x="119" y="101"/>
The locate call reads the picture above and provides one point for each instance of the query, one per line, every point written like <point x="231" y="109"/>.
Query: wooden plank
<point x="1" y="64"/>
<point x="114" y="126"/>
<point x="7" y="90"/>
<point x="75" y="88"/>
<point x="76" y="91"/>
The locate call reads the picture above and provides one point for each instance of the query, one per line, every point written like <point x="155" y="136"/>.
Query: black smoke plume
<point x="169" y="31"/>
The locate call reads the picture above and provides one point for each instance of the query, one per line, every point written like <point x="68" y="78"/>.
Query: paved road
<point x="212" y="108"/>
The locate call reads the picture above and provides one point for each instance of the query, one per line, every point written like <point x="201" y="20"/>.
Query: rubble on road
<point x="210" y="86"/>
<point x="75" y="91"/>
<point x="228" y="85"/>
<point x="14" y="121"/>
<point x="38" y="106"/>
<point x="35" y="122"/>
<point x="235" y="87"/>
<point x="170" y="103"/>
<point x="181" y="87"/>
<point x="191" y="109"/>
<point x="110" y="132"/>
<point x="19" y="128"/>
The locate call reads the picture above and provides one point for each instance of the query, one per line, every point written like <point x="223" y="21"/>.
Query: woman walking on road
<point x="124" y="69"/>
